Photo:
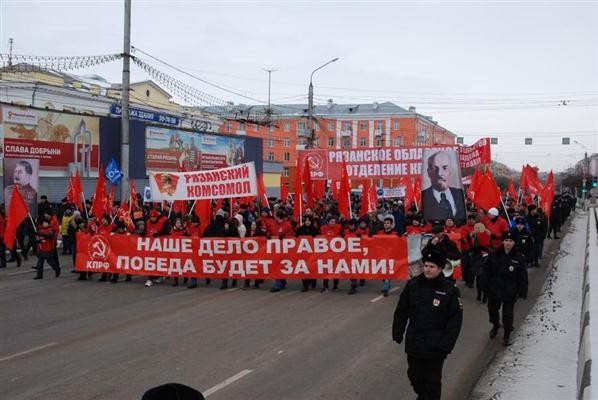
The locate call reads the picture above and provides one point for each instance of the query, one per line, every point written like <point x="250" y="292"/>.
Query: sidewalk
<point x="542" y="362"/>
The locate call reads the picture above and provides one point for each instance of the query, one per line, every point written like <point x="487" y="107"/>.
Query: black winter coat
<point x="537" y="225"/>
<point x="434" y="311"/>
<point x="505" y="276"/>
<point x="523" y="241"/>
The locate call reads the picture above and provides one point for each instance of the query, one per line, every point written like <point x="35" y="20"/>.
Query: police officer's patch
<point x="511" y="268"/>
<point x="436" y="302"/>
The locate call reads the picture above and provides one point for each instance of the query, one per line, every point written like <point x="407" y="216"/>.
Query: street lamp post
<point x="310" y="106"/>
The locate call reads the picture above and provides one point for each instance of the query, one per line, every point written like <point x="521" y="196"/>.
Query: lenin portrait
<point x="442" y="194"/>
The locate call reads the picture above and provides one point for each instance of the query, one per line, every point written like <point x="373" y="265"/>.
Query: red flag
<point x="373" y="204"/>
<point x="78" y="193"/>
<point x="133" y="195"/>
<point x="547" y="195"/>
<point x="417" y="193"/>
<point x="284" y="189"/>
<point x="487" y="194"/>
<point x="218" y="205"/>
<point x="530" y="180"/>
<point x="365" y="198"/>
<point x="309" y="192"/>
<point x="319" y="189"/>
<point x="17" y="212"/>
<point x="409" y="194"/>
<point x="473" y="187"/>
<point x="344" y="207"/>
<point x="334" y="185"/>
<point x="261" y="191"/>
<point x="70" y="194"/>
<point x="298" y="200"/>
<point x="203" y="210"/>
<point x="99" y="199"/>
<point x="511" y="190"/>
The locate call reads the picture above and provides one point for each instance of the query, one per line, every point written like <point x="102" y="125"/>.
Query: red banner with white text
<point x="249" y="258"/>
<point x="385" y="162"/>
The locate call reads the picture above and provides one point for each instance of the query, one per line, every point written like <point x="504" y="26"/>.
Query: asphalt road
<point x="66" y="339"/>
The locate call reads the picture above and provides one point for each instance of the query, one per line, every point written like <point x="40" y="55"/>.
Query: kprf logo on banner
<point x="113" y="172"/>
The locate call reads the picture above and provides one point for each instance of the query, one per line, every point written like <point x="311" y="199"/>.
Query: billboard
<point x="166" y="149"/>
<point x="49" y="136"/>
<point x="385" y="162"/>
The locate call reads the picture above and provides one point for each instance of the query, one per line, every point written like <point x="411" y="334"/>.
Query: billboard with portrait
<point x="167" y="149"/>
<point x="442" y="191"/>
<point x="51" y="137"/>
<point x="24" y="174"/>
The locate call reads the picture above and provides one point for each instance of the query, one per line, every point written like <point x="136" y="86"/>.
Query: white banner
<point x="224" y="183"/>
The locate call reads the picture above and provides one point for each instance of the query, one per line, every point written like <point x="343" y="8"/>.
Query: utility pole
<point x="269" y="109"/>
<point x="310" y="106"/>
<point x="124" y="129"/>
<point x="10" y="42"/>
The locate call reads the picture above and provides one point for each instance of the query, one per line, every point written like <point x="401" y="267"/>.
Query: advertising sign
<point x="384" y="162"/>
<point x="49" y="136"/>
<point x="168" y="149"/>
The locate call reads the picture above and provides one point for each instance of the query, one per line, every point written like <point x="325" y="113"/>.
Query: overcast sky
<point x="495" y="69"/>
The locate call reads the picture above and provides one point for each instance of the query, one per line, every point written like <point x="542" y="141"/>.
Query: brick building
<point x="338" y="126"/>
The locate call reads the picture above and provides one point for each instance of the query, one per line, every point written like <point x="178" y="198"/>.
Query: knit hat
<point x="435" y="258"/>
<point x="493" y="211"/>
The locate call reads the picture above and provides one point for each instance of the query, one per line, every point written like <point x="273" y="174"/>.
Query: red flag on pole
<point x="365" y="198"/>
<point x="473" y="187"/>
<point x="133" y="195"/>
<point x="409" y="195"/>
<point x="417" y="193"/>
<point x="373" y="204"/>
<point x="309" y="193"/>
<point x="78" y="191"/>
<point x="99" y="199"/>
<point x="284" y="189"/>
<point x="530" y="180"/>
<point x="487" y="193"/>
<point x="319" y="189"/>
<point x="70" y="194"/>
<point x="511" y="190"/>
<point x="334" y="185"/>
<point x="344" y="192"/>
<point x="203" y="210"/>
<point x="547" y="195"/>
<point x="298" y="200"/>
<point x="261" y="191"/>
<point x="17" y="212"/>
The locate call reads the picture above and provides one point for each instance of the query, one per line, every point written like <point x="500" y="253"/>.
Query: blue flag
<point x="113" y="172"/>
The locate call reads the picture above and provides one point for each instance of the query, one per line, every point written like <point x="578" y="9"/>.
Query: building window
<point x="363" y="125"/>
<point x="229" y="127"/>
<point x="287" y="156"/>
<point x="286" y="143"/>
<point x="242" y="126"/>
<point x="331" y="142"/>
<point x="380" y="125"/>
<point x="257" y="128"/>
<point x="331" y="126"/>
<point x="379" y="142"/>
<point x="301" y="126"/>
<point x="270" y="142"/>
<point x="302" y="142"/>
<point x="396" y="126"/>
<point x="317" y="126"/>
<point x="398" y="141"/>
<point x="270" y="129"/>
<point x="287" y="126"/>
<point x="346" y="142"/>
<point x="347" y="126"/>
<point x="362" y="142"/>
<point x="285" y="171"/>
<point x="270" y="156"/>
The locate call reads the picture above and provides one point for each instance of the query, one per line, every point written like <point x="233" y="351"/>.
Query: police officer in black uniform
<point x="538" y="226"/>
<point x="505" y="280"/>
<point x="432" y="305"/>
<point x="524" y="241"/>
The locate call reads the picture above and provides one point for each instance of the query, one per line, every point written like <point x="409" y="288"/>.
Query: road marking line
<point x="29" y="271"/>
<point x="226" y="382"/>
<point x="375" y="299"/>
<point x="27" y="351"/>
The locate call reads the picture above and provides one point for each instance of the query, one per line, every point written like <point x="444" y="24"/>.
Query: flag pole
<point x="32" y="222"/>
<point x="506" y="212"/>
<point x="192" y="207"/>
<point x="170" y="209"/>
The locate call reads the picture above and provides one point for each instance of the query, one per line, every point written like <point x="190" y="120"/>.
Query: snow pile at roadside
<point x="542" y="362"/>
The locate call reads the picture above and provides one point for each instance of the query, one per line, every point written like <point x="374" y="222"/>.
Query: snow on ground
<point x="542" y="362"/>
